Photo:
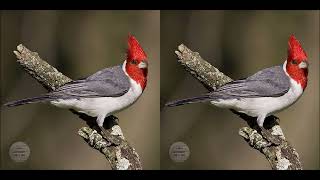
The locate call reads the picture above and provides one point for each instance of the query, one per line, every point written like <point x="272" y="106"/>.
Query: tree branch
<point x="113" y="145"/>
<point x="270" y="142"/>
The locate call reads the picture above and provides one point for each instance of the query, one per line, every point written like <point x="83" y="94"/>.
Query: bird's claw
<point x="114" y="118"/>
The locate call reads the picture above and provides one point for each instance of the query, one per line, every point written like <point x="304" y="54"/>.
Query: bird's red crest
<point x="135" y="57"/>
<point x="296" y="55"/>
<point x="135" y="51"/>
<point x="295" y="50"/>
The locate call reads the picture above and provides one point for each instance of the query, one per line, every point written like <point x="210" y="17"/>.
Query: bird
<point x="103" y="93"/>
<point x="264" y="93"/>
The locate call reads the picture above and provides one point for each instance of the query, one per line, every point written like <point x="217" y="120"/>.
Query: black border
<point x="172" y="174"/>
<point x="160" y="4"/>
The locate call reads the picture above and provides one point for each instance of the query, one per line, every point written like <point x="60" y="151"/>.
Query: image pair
<point x="159" y="90"/>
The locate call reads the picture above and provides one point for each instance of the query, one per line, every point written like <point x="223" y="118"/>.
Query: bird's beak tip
<point x="304" y="64"/>
<point x="143" y="64"/>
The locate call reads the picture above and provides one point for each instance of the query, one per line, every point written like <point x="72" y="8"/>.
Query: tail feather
<point x="28" y="101"/>
<point x="203" y="98"/>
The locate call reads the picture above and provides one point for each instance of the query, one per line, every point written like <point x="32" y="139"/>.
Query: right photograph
<point x="239" y="90"/>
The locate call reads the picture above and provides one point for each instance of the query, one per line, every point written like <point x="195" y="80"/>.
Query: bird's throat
<point x="137" y="74"/>
<point x="299" y="75"/>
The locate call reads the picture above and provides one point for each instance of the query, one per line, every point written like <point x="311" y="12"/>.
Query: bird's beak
<point x="143" y="64"/>
<point x="303" y="64"/>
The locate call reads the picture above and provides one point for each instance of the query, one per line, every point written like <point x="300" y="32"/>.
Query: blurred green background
<point x="77" y="43"/>
<point x="239" y="43"/>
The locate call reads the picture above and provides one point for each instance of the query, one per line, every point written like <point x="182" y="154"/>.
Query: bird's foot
<point x="114" y="118"/>
<point x="276" y="119"/>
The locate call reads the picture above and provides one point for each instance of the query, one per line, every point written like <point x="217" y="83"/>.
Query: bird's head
<point x="297" y="64"/>
<point x="136" y="63"/>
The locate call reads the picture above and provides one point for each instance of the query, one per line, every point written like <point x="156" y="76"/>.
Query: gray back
<point x="109" y="82"/>
<point x="269" y="82"/>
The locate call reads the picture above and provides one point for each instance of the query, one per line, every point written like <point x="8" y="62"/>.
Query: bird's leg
<point x="267" y="133"/>
<point x="108" y="124"/>
<point x="260" y="120"/>
<point x="263" y="131"/>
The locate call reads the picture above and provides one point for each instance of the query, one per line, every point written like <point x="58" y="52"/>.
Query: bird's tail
<point x="42" y="98"/>
<point x="197" y="99"/>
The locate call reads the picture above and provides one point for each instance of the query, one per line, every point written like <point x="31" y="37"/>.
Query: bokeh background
<point x="239" y="43"/>
<point x="78" y="43"/>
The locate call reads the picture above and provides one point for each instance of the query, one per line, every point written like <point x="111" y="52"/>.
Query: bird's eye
<point x="294" y="62"/>
<point x="135" y="62"/>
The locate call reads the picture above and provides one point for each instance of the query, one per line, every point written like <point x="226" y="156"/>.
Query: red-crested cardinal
<point x="264" y="93"/>
<point x="105" y="92"/>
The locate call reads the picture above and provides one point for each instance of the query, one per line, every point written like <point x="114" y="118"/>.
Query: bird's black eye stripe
<point x="294" y="61"/>
<point x="134" y="61"/>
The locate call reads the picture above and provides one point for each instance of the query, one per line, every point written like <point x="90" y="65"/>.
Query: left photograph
<point x="80" y="90"/>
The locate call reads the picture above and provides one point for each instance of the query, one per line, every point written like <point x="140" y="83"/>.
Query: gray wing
<point x="270" y="82"/>
<point x="109" y="82"/>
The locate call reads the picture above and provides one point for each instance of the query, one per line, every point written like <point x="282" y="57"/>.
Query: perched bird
<point x="105" y="92"/>
<point x="264" y="93"/>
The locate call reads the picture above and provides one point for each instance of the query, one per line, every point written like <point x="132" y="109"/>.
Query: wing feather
<point x="270" y="82"/>
<point x="109" y="82"/>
